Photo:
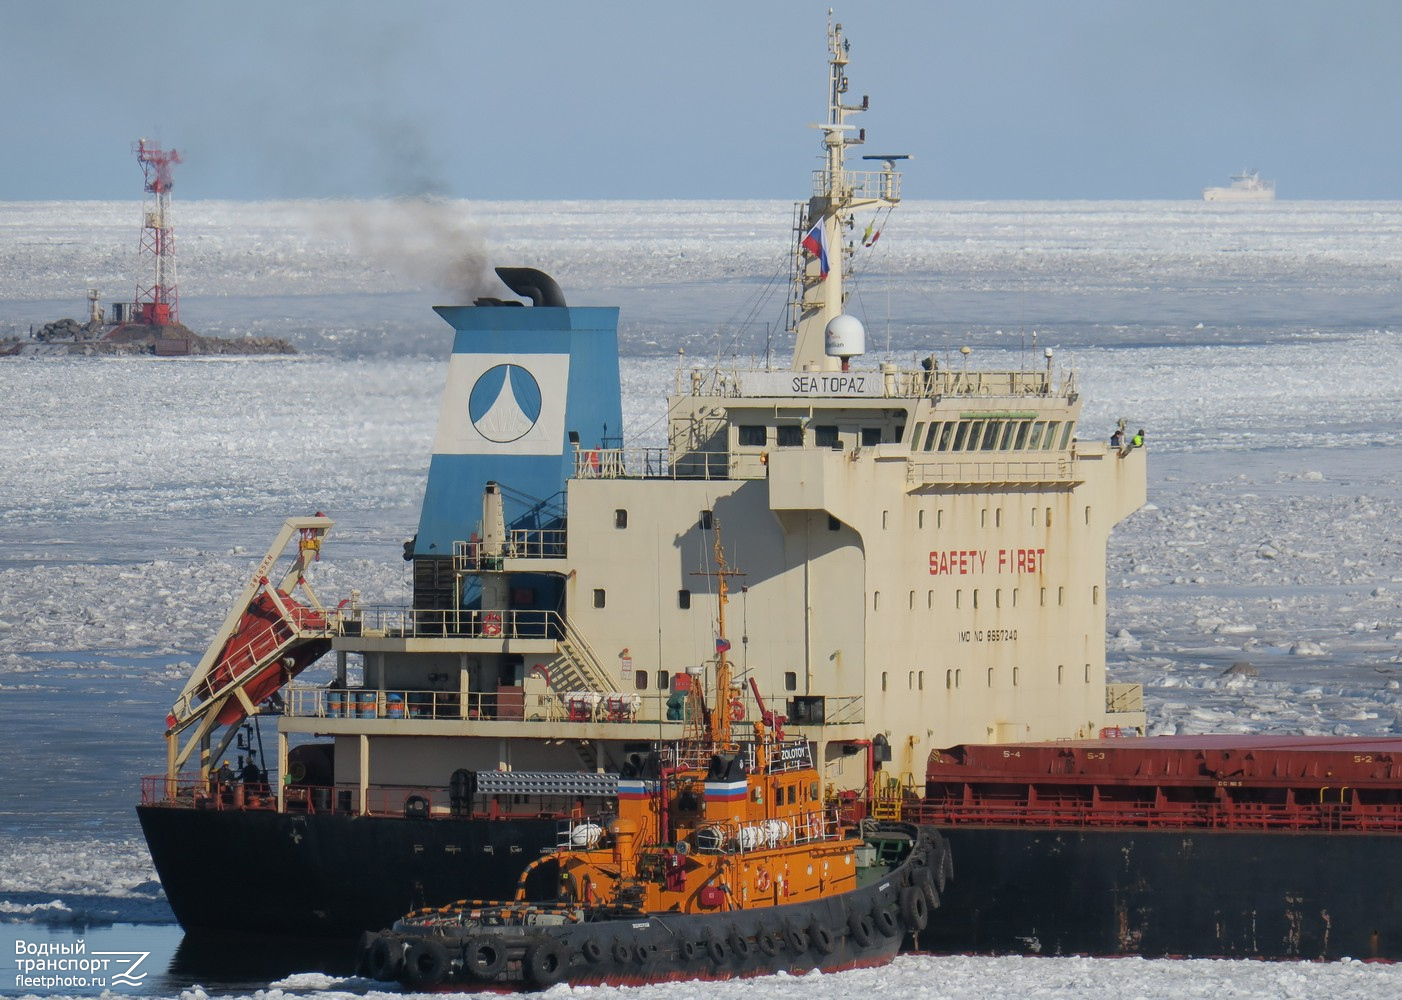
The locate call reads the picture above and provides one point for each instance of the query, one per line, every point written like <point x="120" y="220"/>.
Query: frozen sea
<point x="1257" y="345"/>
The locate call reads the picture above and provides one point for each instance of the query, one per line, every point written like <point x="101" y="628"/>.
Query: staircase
<point x="576" y="668"/>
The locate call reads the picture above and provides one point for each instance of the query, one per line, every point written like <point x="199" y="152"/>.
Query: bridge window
<point x="684" y="600"/>
<point x="871" y="437"/>
<point x="1021" y="434"/>
<point x="1051" y="434"/>
<point x="930" y="437"/>
<point x="1035" y="441"/>
<point x="1009" y="427"/>
<point x="960" y="432"/>
<point x="825" y="436"/>
<point x="640" y="679"/>
<point x="598" y="597"/>
<point x="915" y="438"/>
<point x="990" y="434"/>
<point x="1066" y="436"/>
<point x="752" y="436"/>
<point x="790" y="436"/>
<point x="975" y="429"/>
<point x="620" y="518"/>
<point x="790" y="681"/>
<point x="946" y="433"/>
<point x="703" y="521"/>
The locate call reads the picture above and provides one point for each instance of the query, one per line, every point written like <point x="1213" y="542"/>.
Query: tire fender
<point x="915" y="911"/>
<point x="426" y="963"/>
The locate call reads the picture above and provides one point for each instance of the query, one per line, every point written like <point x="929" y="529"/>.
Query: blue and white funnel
<point x="524" y="386"/>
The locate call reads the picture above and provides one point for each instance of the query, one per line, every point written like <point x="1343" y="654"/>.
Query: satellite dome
<point x="845" y="337"/>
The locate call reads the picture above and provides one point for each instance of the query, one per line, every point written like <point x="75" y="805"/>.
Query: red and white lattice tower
<point x="157" y="304"/>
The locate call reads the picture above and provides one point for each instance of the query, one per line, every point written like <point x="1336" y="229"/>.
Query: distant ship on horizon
<point x="1245" y="186"/>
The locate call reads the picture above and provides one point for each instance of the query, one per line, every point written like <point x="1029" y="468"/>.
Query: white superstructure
<point x="1245" y="186"/>
<point x="921" y="552"/>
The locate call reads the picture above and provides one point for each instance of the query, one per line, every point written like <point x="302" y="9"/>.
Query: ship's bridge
<point x="948" y="427"/>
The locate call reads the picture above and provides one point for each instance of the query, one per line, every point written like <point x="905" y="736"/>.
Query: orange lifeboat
<point x="266" y="627"/>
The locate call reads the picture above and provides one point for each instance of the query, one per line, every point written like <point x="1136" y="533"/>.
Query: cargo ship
<point x="923" y="550"/>
<point x="1245" y="186"/>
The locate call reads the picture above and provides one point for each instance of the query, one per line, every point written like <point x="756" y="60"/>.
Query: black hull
<point x="666" y="948"/>
<point x="858" y="929"/>
<point x="1171" y="893"/>
<point x="1025" y="890"/>
<point x="328" y="875"/>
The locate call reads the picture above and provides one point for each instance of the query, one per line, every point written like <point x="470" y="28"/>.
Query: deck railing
<point x="517" y="705"/>
<point x="402" y="622"/>
<point x="1150" y="814"/>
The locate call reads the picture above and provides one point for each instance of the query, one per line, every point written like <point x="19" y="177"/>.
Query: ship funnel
<point x="532" y="284"/>
<point x="845" y="338"/>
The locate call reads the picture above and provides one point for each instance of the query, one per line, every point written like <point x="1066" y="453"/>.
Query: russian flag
<point x="722" y="644"/>
<point x="816" y="243"/>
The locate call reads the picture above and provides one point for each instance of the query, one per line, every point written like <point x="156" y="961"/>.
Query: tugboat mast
<point x="821" y="252"/>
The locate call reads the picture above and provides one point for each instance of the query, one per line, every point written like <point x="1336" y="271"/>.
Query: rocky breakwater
<point x="67" y="336"/>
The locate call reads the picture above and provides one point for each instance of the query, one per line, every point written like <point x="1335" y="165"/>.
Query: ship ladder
<point x="577" y="667"/>
<point x="887" y="800"/>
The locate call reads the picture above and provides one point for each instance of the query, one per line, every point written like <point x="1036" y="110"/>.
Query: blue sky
<point x="996" y="99"/>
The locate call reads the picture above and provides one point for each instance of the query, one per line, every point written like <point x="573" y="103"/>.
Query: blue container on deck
<point x="367" y="703"/>
<point x="420" y="704"/>
<point x="335" y="704"/>
<point x="394" y="706"/>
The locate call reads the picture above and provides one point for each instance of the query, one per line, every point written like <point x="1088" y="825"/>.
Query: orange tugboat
<point x="722" y="860"/>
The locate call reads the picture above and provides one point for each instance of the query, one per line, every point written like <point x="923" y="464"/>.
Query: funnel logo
<point x="505" y="403"/>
